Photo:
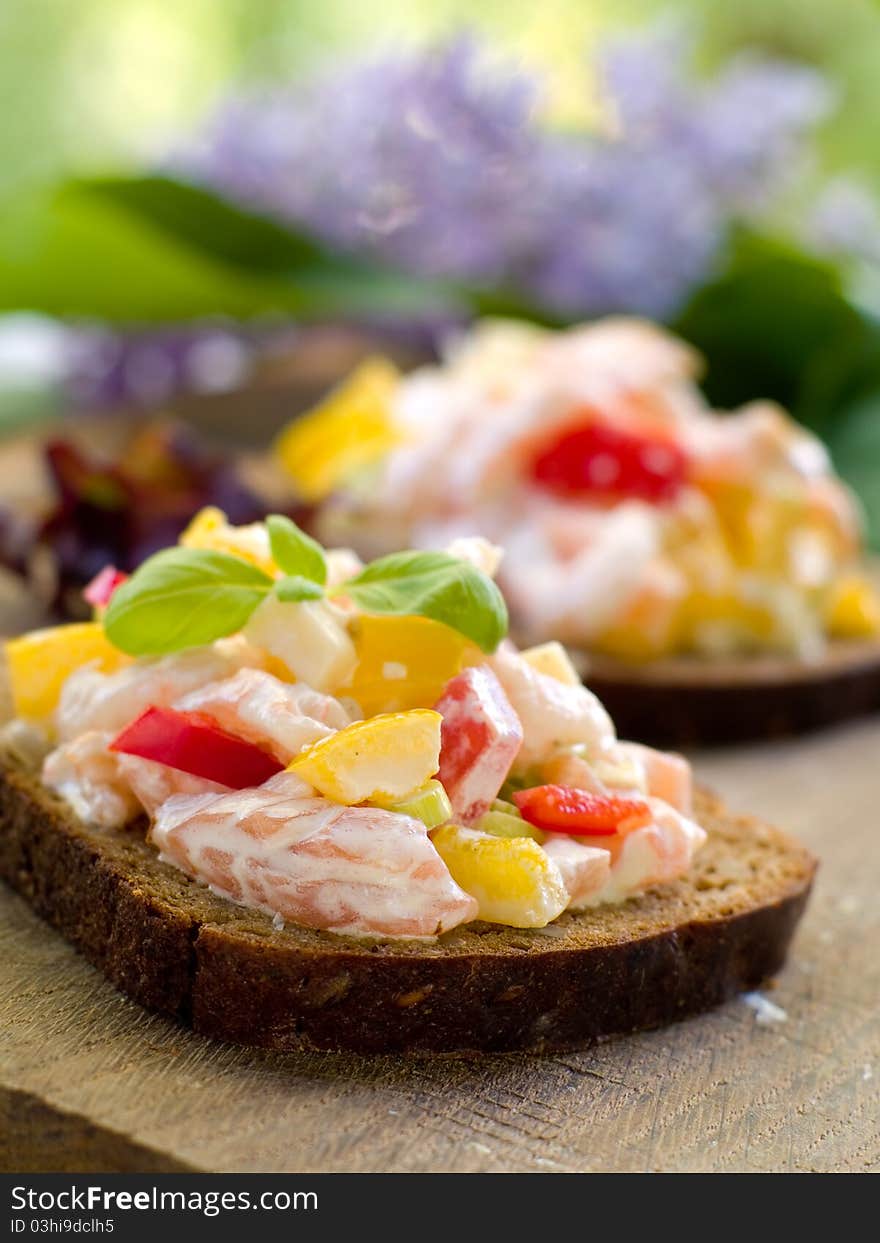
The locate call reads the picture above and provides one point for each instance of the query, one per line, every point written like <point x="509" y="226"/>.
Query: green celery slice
<point x="430" y="804"/>
<point x="502" y="824"/>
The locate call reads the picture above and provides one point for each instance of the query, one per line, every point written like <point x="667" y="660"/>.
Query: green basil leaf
<point x="183" y="597"/>
<point x="294" y="587"/>
<point x="435" y="585"/>
<point x="295" y="552"/>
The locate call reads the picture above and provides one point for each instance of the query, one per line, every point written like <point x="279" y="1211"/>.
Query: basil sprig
<point x="296" y="553"/>
<point x="293" y="588"/>
<point x="435" y="585"/>
<point x="185" y="597"/>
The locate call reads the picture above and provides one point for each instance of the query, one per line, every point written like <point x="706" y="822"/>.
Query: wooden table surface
<point x="89" y="1081"/>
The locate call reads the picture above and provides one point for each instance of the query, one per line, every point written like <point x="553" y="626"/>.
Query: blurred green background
<point x="97" y="84"/>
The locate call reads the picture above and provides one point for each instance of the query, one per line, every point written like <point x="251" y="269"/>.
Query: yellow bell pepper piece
<point x="405" y="662"/>
<point x="704" y="609"/>
<point x="742" y="619"/>
<point x="40" y="663"/>
<point x="352" y="428"/>
<point x="757" y="527"/>
<point x="853" y="609"/>
<point x="210" y="530"/>
<point x="553" y="660"/>
<point x="513" y="880"/>
<point x="381" y="759"/>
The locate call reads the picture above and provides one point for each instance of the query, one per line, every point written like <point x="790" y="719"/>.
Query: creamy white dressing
<point x="585" y="870"/>
<point x="653" y="855"/>
<point x="283" y="716"/>
<point x="553" y="714"/>
<point x="87" y="776"/>
<point x="109" y="701"/>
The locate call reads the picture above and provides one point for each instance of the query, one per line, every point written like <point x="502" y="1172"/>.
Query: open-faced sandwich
<point x="708" y="566"/>
<point x="295" y="800"/>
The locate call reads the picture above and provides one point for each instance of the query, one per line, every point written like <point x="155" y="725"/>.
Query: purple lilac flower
<point x="750" y="124"/>
<point x="437" y="163"/>
<point x="634" y="222"/>
<point x="418" y="158"/>
<point x="426" y="160"/>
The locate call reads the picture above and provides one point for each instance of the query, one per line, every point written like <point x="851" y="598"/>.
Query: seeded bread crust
<point x="227" y="972"/>
<point x="683" y="701"/>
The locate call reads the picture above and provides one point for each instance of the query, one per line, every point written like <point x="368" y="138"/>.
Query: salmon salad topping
<point x="352" y="748"/>
<point x="638" y="521"/>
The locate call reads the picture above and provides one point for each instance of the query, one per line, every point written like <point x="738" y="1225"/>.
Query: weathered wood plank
<point x="35" y="1136"/>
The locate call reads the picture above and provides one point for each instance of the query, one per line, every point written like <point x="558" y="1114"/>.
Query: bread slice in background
<point x="687" y="701"/>
<point x="227" y="972"/>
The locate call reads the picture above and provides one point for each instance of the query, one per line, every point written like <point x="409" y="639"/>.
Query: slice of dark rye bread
<point x="683" y="701"/>
<point x="228" y="973"/>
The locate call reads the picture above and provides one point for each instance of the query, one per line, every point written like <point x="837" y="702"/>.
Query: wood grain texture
<point x="721" y="1092"/>
<point x="34" y="1136"/>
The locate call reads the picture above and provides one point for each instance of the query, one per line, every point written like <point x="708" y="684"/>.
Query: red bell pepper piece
<point x="193" y="743"/>
<point x="594" y="458"/>
<point x="480" y="737"/>
<point x="563" y="809"/>
<point x="102" y="586"/>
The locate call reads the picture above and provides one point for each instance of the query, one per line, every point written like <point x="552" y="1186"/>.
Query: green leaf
<point x="323" y="280"/>
<point x="435" y="585"/>
<point x="295" y="552"/>
<point x="777" y="323"/>
<point x="73" y="254"/>
<point x="148" y="249"/>
<point x="183" y="597"/>
<point x="854" y="441"/>
<point x="211" y="224"/>
<point x="294" y="588"/>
